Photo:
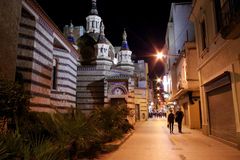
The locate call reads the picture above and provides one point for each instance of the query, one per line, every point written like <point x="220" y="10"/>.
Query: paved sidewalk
<point x="152" y="141"/>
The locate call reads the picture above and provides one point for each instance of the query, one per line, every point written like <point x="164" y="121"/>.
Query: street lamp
<point x="160" y="55"/>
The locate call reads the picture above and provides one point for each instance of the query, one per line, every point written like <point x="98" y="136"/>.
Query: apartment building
<point x="217" y="30"/>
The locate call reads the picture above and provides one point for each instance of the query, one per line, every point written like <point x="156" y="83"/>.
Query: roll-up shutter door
<point x="220" y="107"/>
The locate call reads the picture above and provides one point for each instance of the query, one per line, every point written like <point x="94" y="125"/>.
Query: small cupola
<point x="93" y="20"/>
<point x="124" y="55"/>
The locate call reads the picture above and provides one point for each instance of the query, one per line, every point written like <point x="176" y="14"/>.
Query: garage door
<point x="221" y="113"/>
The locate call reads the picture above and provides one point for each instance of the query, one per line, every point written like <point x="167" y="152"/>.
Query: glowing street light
<point x="160" y="55"/>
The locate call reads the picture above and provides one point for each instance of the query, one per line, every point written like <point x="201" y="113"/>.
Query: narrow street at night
<point x="151" y="141"/>
<point x="116" y="80"/>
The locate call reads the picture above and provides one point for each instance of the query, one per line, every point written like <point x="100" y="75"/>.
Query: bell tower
<point x="93" y="20"/>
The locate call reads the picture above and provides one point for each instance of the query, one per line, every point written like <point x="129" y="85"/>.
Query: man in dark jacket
<point x="179" y="117"/>
<point x="171" y="121"/>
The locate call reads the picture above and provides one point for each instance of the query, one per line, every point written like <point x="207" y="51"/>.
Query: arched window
<point x="54" y="74"/>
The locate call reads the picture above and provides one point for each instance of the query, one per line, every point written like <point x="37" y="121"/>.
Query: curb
<point x="111" y="146"/>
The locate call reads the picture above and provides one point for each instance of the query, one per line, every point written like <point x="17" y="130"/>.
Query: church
<point x="78" y="69"/>
<point x="105" y="75"/>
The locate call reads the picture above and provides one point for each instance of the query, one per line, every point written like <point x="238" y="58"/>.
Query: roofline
<point x="174" y="4"/>
<point x="182" y="3"/>
<point x="41" y="13"/>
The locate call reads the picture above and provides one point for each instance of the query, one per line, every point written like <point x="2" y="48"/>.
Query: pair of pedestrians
<point x="178" y="119"/>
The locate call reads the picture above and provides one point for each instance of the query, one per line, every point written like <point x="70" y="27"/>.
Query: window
<point x="218" y="14"/>
<point x="204" y="34"/>
<point x="54" y="74"/>
<point x="220" y="6"/>
<point x="87" y="25"/>
<point x="225" y="10"/>
<point x="97" y="24"/>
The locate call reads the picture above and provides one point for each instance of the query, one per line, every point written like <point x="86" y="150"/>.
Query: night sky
<point x="145" y="22"/>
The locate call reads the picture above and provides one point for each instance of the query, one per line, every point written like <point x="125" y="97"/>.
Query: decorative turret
<point x="70" y="35"/>
<point x="124" y="56"/>
<point x="93" y="20"/>
<point x="94" y="8"/>
<point x="102" y="48"/>
<point x="124" y="42"/>
<point x="102" y="38"/>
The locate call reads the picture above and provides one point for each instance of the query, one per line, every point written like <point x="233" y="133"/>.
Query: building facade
<point x="46" y="61"/>
<point x="217" y="32"/>
<point x="181" y="79"/>
<point x="141" y="91"/>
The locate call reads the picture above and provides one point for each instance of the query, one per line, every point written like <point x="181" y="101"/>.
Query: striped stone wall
<point x="36" y="51"/>
<point x="65" y="94"/>
<point x="93" y="87"/>
<point x="90" y="88"/>
<point x="34" y="59"/>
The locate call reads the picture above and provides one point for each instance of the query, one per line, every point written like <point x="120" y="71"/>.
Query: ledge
<point x="111" y="146"/>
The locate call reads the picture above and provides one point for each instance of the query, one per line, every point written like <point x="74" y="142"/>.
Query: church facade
<point x="105" y="77"/>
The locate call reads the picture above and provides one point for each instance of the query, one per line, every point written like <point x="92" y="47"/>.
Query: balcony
<point x="229" y="19"/>
<point x="184" y="73"/>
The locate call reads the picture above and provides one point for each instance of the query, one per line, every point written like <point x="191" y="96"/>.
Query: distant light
<point x="166" y="96"/>
<point x="158" y="88"/>
<point x="158" y="80"/>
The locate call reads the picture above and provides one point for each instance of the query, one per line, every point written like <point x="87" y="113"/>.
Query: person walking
<point x="171" y="121"/>
<point x="179" y="117"/>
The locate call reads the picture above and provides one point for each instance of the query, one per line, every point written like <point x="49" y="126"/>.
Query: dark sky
<point x="145" y="22"/>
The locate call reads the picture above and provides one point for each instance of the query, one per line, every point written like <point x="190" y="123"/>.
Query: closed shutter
<point x="221" y="111"/>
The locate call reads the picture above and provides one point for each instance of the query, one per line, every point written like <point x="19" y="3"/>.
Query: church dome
<point x="86" y="47"/>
